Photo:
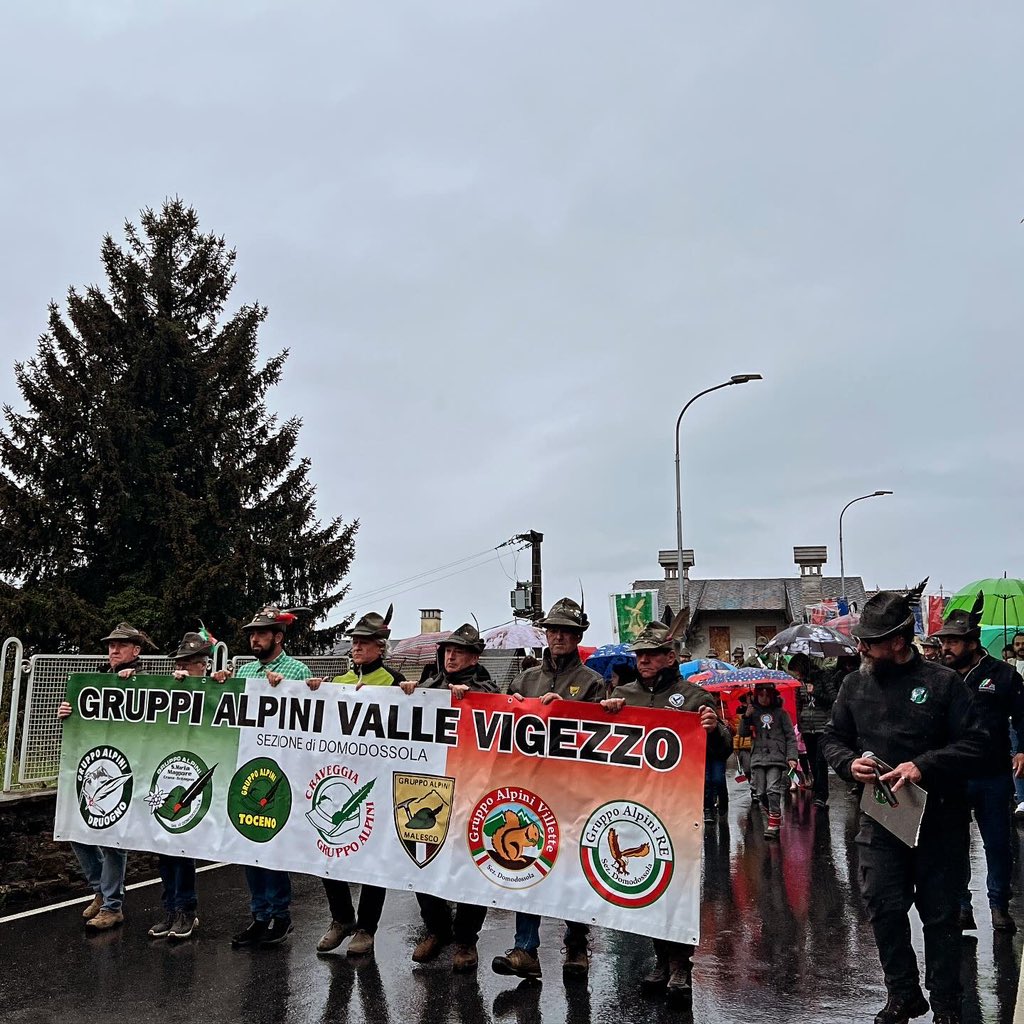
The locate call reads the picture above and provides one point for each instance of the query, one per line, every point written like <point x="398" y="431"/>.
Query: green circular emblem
<point x="919" y="695"/>
<point x="181" y="791"/>
<point x="259" y="799"/>
<point x="103" y="781"/>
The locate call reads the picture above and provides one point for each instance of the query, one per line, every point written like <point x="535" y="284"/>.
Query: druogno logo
<point x="340" y="810"/>
<point x="181" y="791"/>
<point x="513" y="837"/>
<point x="626" y="853"/>
<point x="104" y="785"/>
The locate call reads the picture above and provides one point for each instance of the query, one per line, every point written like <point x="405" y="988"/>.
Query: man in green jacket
<point x="660" y="686"/>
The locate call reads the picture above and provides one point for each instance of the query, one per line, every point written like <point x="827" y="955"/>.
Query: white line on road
<point x="88" y="899"/>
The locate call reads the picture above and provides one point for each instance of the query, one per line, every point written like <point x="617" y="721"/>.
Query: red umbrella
<point x="421" y="647"/>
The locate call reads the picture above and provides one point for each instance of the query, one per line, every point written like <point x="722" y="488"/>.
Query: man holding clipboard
<point x="899" y="709"/>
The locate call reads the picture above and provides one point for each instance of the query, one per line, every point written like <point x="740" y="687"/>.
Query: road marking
<point x="88" y="899"/>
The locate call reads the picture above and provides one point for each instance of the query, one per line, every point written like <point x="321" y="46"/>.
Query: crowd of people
<point x="939" y="713"/>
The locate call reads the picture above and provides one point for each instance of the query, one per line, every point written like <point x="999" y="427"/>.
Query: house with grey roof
<point x="730" y="613"/>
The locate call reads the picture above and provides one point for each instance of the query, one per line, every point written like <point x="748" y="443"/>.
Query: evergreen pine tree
<point x="146" y="480"/>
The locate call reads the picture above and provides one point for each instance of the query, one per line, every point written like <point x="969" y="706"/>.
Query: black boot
<point x="900" y="1009"/>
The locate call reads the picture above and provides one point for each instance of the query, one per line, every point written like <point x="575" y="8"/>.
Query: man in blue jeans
<point x="998" y="693"/>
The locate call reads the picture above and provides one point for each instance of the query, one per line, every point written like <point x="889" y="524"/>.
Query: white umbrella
<point x="514" y="636"/>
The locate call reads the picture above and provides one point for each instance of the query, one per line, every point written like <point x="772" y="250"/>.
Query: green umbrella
<point x="1004" y="603"/>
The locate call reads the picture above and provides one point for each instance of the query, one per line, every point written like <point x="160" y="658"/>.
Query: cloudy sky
<point x="506" y="241"/>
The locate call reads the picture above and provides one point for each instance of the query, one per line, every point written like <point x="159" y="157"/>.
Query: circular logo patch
<point x="104" y="785"/>
<point x="626" y="854"/>
<point x="513" y="837"/>
<point x="259" y="799"/>
<point x="340" y="810"/>
<point x="919" y="695"/>
<point x="676" y="700"/>
<point x="181" y="791"/>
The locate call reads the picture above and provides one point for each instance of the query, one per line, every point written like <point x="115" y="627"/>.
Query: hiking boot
<point x="946" y="1017"/>
<point x="967" y="922"/>
<point x="465" y="958"/>
<point x="429" y="948"/>
<point x="519" y="962"/>
<point x="709" y="814"/>
<point x="576" y="964"/>
<point x="361" y="944"/>
<point x="774" y="824"/>
<point x="822" y="805"/>
<point x="657" y="978"/>
<point x="278" y="929"/>
<point x="185" y="923"/>
<point x="105" y="920"/>
<point x="335" y="936"/>
<point x="900" y="1009"/>
<point x="94" y="908"/>
<point x="1002" y="922"/>
<point x="679" y="989"/>
<point x="252" y="936"/>
<point x="162" y="928"/>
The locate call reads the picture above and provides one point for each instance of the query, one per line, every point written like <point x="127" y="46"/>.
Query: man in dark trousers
<point x="999" y="699"/>
<point x="918" y="717"/>
<point x="458" y="669"/>
<point x="660" y="686"/>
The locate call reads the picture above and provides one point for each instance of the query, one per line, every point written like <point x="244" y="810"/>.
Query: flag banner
<point x="561" y="809"/>
<point x="631" y="612"/>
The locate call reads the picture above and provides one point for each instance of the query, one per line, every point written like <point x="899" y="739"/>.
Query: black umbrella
<point x="814" y="641"/>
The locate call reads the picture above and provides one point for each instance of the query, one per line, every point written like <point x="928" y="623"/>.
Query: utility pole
<point x="536" y="608"/>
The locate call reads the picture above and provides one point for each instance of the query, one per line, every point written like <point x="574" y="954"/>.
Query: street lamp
<point x="842" y="564"/>
<point x="736" y="378"/>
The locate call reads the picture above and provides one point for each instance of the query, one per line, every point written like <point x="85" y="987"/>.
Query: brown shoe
<point x="94" y="908"/>
<point x="576" y="964"/>
<point x="465" y="959"/>
<point x="429" y="948"/>
<point x="518" y="962"/>
<point x="1002" y="922"/>
<point x="335" y="936"/>
<point x="657" y="978"/>
<point x="679" y="989"/>
<point x="361" y="944"/>
<point x="104" y="920"/>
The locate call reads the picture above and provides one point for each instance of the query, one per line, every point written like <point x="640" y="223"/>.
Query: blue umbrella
<point x="746" y="676"/>
<point x="608" y="657"/>
<point x="691" y="668"/>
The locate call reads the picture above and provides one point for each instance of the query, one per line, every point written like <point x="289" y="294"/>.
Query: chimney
<point x="668" y="559"/>
<point x="430" y="620"/>
<point x="810" y="559"/>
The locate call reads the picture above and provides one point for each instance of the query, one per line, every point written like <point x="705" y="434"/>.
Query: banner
<point x="631" y="612"/>
<point x="562" y="809"/>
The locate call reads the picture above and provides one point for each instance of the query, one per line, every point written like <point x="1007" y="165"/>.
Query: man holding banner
<point x="661" y="686"/>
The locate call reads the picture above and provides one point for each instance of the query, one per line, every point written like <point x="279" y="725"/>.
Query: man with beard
<point x="560" y="676"/>
<point x="660" y="686"/>
<point x="104" y="866"/>
<point x="458" y="669"/>
<point x="998" y="698"/>
<point x="270" y="891"/>
<point x="918" y="716"/>
<point x="931" y="649"/>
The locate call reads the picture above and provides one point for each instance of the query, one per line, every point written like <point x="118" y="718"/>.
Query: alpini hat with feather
<point x="566" y="614"/>
<point x="270" y="617"/>
<point x="655" y="636"/>
<point x="467" y="636"/>
<point x="126" y="631"/>
<point x="192" y="645"/>
<point x="963" y="624"/>
<point x="887" y="613"/>
<point x="373" y="626"/>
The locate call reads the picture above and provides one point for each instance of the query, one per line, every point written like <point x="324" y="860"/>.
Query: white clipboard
<point x="904" y="820"/>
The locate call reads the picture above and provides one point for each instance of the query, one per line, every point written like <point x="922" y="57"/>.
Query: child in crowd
<point x="774" y="748"/>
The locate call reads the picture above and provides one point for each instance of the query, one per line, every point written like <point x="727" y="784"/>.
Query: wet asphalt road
<point x="783" y="939"/>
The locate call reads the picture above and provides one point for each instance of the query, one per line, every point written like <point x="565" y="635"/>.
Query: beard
<point x="882" y="669"/>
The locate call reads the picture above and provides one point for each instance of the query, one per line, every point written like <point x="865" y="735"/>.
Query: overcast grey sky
<point x="506" y="241"/>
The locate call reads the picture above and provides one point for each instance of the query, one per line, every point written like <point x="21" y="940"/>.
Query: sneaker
<point x="679" y="988"/>
<point x="1019" y="812"/>
<point x="335" y="935"/>
<point x="576" y="964"/>
<point x="967" y="922"/>
<point x="774" y="825"/>
<point x="278" y="929"/>
<point x="105" y="920"/>
<point x="518" y="962"/>
<point x="252" y="936"/>
<point x="161" y="929"/>
<point x="429" y="948"/>
<point x="822" y="805"/>
<point x="900" y="1009"/>
<point x="656" y="979"/>
<point x="1002" y="922"/>
<point x="465" y="959"/>
<point x="185" y="923"/>
<point x="94" y="907"/>
<point x="361" y="944"/>
<point x="709" y="814"/>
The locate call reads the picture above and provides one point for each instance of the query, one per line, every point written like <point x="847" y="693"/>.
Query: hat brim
<point x="137" y="640"/>
<point x="640" y="648"/>
<point x="200" y="652"/>
<point x="573" y="627"/>
<point x="958" y="633"/>
<point x="862" y="632"/>
<point x="476" y="648"/>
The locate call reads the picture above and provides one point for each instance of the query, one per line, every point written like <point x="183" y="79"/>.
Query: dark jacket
<point x="567" y="676"/>
<point x="774" y="738"/>
<point x="814" y="709"/>
<point x="476" y="677"/>
<point x="921" y="712"/>
<point x="998" y="693"/>
<point x="668" y="690"/>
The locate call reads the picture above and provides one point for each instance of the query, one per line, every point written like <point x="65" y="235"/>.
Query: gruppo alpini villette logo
<point x="513" y="837"/>
<point x="103" y="781"/>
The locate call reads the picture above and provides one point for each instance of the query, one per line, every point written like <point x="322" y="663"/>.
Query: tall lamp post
<point x="736" y="378"/>
<point x="842" y="564"/>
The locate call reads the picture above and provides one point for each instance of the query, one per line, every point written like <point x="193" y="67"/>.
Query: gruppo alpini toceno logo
<point x="103" y="782"/>
<point x="626" y="853"/>
<point x="513" y="837"/>
<point x="259" y="799"/>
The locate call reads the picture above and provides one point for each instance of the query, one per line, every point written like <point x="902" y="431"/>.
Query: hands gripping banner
<point x="560" y="809"/>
